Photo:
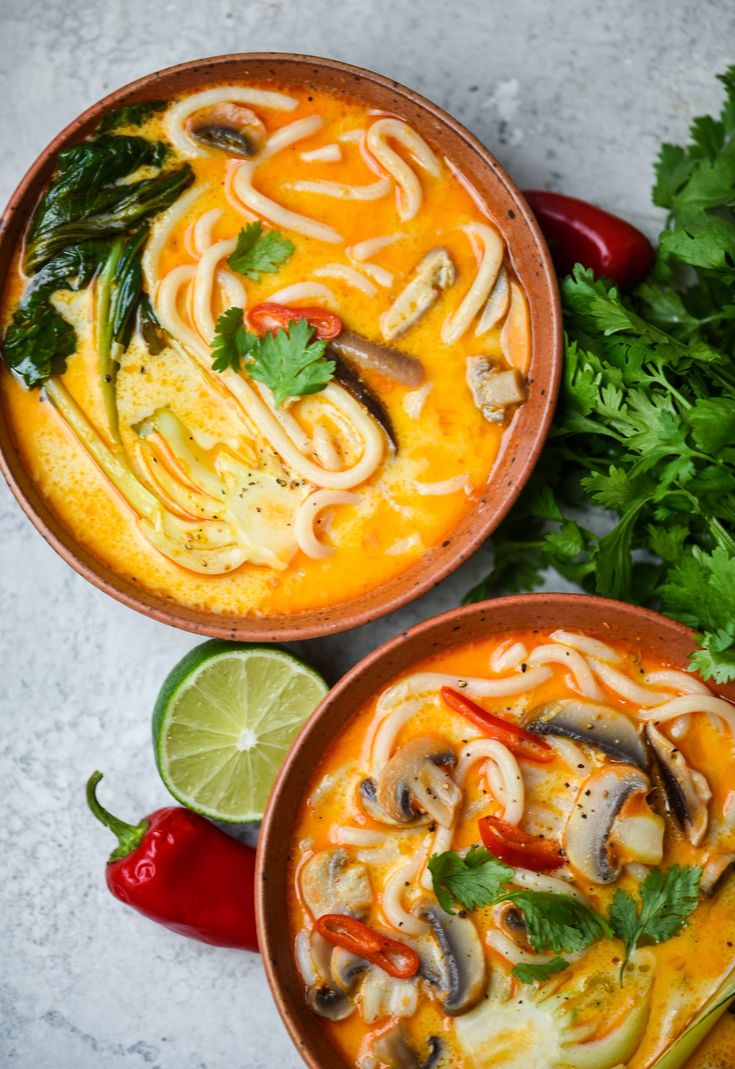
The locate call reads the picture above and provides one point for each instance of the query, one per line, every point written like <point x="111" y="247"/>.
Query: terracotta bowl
<point x="530" y="260"/>
<point x="609" y="620"/>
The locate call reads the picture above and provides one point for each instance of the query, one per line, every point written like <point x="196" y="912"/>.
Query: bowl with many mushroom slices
<point x="297" y="339"/>
<point x="506" y="839"/>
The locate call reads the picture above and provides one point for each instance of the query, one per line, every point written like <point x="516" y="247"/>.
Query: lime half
<point x="223" y="722"/>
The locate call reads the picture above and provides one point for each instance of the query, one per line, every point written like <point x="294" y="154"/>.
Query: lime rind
<point x="224" y="721"/>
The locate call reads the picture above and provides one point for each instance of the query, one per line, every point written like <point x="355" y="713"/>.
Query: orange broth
<point x="393" y="525"/>
<point x="688" y="967"/>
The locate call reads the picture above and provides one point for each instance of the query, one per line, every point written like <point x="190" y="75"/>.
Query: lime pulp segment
<point x="225" y="728"/>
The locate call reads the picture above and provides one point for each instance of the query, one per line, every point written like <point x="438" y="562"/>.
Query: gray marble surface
<point x="569" y="95"/>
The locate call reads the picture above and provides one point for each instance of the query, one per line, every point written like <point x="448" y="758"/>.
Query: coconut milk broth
<point x="449" y="443"/>
<point x="687" y="969"/>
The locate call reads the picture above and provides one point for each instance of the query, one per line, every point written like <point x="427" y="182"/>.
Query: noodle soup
<point x="282" y="339"/>
<point x="519" y="854"/>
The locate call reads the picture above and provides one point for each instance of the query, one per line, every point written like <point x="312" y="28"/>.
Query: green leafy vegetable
<point x="81" y="230"/>
<point x="118" y="294"/>
<point x="557" y="922"/>
<point x="666" y="900"/>
<point x="644" y="435"/>
<point x="232" y="342"/>
<point x="257" y="253"/>
<point x="133" y="203"/>
<point x="130" y="115"/>
<point x="291" y="363"/>
<point x="149" y="327"/>
<point x="471" y="881"/>
<point x="39" y="339"/>
<point x="37" y="342"/>
<point x="539" y="971"/>
<point x="86" y="180"/>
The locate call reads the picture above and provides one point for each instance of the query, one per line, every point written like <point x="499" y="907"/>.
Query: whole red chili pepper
<point x="180" y="870"/>
<point x="272" y="316"/>
<point x="578" y="232"/>
<point x="515" y="847"/>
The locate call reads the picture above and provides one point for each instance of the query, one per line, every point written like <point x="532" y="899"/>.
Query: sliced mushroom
<point x="329" y="1002"/>
<point x="459" y="959"/>
<point x="687" y="792"/>
<point x="377" y="357"/>
<point x="331" y="882"/>
<point x="415" y="784"/>
<point x="602" y="727"/>
<point x="368" y="791"/>
<point x="345" y="968"/>
<point x="232" y="128"/>
<point x="588" y="834"/>
<point x="715" y="871"/>
<point x="510" y="921"/>
<point x="435" y="274"/>
<point x="394" y="1049"/>
<point x="349" y="378"/>
<point x="494" y="389"/>
<point x="314" y="956"/>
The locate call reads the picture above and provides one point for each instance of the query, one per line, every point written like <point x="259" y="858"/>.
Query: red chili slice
<point x="519" y="741"/>
<point x="513" y="846"/>
<point x="395" y="958"/>
<point x="272" y="316"/>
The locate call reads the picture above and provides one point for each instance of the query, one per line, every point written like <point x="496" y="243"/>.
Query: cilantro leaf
<point x="257" y="253"/>
<point x="666" y="900"/>
<point x="291" y="363"/>
<point x="557" y="922"/>
<point x="537" y="972"/>
<point x="471" y="881"/>
<point x="231" y="341"/>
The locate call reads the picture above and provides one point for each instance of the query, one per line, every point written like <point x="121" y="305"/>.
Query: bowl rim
<point x="597" y="608"/>
<point x="341" y="616"/>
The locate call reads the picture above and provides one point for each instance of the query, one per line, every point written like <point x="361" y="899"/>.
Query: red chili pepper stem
<point x="129" y="836"/>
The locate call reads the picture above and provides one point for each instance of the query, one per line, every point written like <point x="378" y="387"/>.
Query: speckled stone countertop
<point x="572" y="96"/>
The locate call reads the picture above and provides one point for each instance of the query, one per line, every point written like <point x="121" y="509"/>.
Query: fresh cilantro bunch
<point x="290" y="362"/>
<point x="644" y="435"/>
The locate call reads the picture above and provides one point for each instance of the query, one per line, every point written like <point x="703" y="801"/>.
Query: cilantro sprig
<point x="644" y="435"/>
<point x="290" y="362"/>
<point x="559" y="924"/>
<point x="257" y="253"/>
<point x="666" y="900"/>
<point x="471" y="881"/>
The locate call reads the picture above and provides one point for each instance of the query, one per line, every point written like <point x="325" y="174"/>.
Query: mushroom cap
<point x="395" y="1050"/>
<point x="460" y="960"/>
<point x="332" y="882"/>
<point x="416" y="782"/>
<point x="602" y="727"/>
<point x="329" y="1002"/>
<point x="230" y="127"/>
<point x="687" y="792"/>
<point x="588" y="832"/>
